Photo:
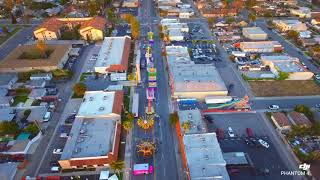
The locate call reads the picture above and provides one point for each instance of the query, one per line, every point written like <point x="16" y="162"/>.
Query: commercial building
<point x="260" y="46"/>
<point x="287" y="64"/>
<point x="95" y="134"/>
<point x="91" y="28"/>
<point x="254" y="33"/>
<point x="290" y="24"/>
<point x="93" y="142"/>
<point x="281" y="121"/>
<point x="113" y="57"/>
<point x="14" y="62"/>
<point x="174" y="29"/>
<point x="204" y="157"/>
<point x="190" y="80"/>
<point x="301" y="12"/>
<point x="106" y="104"/>
<point x="218" y="12"/>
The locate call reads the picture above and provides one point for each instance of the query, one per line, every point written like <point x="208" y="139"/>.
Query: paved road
<point x="19" y="38"/>
<point x="288" y="48"/>
<point x="35" y="162"/>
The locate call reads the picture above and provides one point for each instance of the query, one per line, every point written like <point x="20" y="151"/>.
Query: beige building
<point x="288" y="64"/>
<point x="254" y="33"/>
<point x="190" y="80"/>
<point x="287" y="25"/>
<point x="90" y="27"/>
<point x="15" y="63"/>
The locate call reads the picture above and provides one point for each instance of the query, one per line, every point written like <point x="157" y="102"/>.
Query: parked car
<point x="263" y="143"/>
<point x="317" y="76"/>
<point x="57" y="151"/>
<point x="64" y="135"/>
<point x="55" y="169"/>
<point x="47" y="116"/>
<point x="263" y="171"/>
<point x="234" y="171"/>
<point x="54" y="163"/>
<point x="274" y="107"/>
<point x="230" y="132"/>
<point x="249" y="132"/>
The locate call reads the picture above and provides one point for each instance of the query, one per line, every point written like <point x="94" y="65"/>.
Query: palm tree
<point x="127" y="125"/>
<point x="117" y="166"/>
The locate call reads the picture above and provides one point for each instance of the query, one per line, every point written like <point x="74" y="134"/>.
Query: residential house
<point x="8" y="80"/>
<point x="301" y="12"/>
<point x="37" y="93"/>
<point x="299" y="119"/>
<point x="218" y="12"/>
<point x="260" y="46"/>
<point x="6" y="101"/>
<point x="281" y="121"/>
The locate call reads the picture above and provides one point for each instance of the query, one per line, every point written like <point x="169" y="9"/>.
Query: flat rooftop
<point x="195" y="119"/>
<point x="191" y="77"/>
<point x="288" y="21"/>
<point x="290" y="66"/>
<point x="278" y="58"/>
<point x="90" y="137"/>
<point x="114" y="51"/>
<point x="100" y="103"/>
<point x="253" y="30"/>
<point x="13" y="61"/>
<point x="204" y="157"/>
<point x="260" y="44"/>
<point x="235" y="158"/>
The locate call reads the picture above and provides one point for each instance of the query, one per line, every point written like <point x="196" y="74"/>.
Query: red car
<point x="249" y="132"/>
<point x="219" y="133"/>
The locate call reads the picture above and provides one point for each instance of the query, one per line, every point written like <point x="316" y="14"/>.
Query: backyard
<point x="284" y="88"/>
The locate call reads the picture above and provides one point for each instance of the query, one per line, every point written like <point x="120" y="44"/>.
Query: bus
<point x="135" y="105"/>
<point x="142" y="169"/>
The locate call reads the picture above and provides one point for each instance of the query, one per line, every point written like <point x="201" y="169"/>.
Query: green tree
<point x="79" y="89"/>
<point x="173" y="118"/>
<point x="305" y="110"/>
<point x="230" y="20"/>
<point x="13" y="19"/>
<point x="32" y="129"/>
<point x="293" y="35"/>
<point x="93" y="8"/>
<point x="186" y="126"/>
<point x="11" y="128"/>
<point x="27" y="112"/>
<point x="129" y="117"/>
<point x="252" y="17"/>
<point x="212" y="20"/>
<point x="5" y="30"/>
<point x="135" y="25"/>
<point x="251" y="3"/>
<point x="117" y="166"/>
<point x="283" y="75"/>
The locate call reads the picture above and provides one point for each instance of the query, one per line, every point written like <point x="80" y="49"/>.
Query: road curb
<point x="5" y="42"/>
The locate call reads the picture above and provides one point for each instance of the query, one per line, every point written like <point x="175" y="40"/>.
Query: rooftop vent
<point x="105" y="97"/>
<point x="91" y="99"/>
<point x="101" y="108"/>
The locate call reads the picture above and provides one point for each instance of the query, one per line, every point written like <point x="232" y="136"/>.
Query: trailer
<point x="135" y="105"/>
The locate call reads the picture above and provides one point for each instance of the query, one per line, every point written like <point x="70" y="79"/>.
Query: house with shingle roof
<point x="281" y="121"/>
<point x="90" y="27"/>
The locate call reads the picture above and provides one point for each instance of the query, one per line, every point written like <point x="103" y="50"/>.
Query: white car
<point x="57" y="151"/>
<point x="64" y="135"/>
<point x="230" y="132"/>
<point x="317" y="77"/>
<point x="274" y="107"/>
<point x="55" y="169"/>
<point x="263" y="143"/>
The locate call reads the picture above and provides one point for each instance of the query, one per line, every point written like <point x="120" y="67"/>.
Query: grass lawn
<point x="4" y="38"/>
<point x="284" y="88"/>
<point x="19" y="99"/>
<point x="74" y="96"/>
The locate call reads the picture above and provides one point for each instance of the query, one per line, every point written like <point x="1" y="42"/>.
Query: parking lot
<point x="58" y="142"/>
<point x="260" y="157"/>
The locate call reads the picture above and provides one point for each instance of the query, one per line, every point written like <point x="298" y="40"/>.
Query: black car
<point x="54" y="163"/>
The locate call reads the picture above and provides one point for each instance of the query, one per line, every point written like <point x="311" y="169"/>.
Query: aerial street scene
<point x="159" y="89"/>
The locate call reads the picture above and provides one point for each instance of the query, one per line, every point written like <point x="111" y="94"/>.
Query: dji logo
<point x="304" y="166"/>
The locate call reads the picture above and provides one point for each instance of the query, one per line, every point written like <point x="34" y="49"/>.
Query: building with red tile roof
<point x="299" y="119"/>
<point x="90" y="27"/>
<point x="281" y="121"/>
<point x="218" y="12"/>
